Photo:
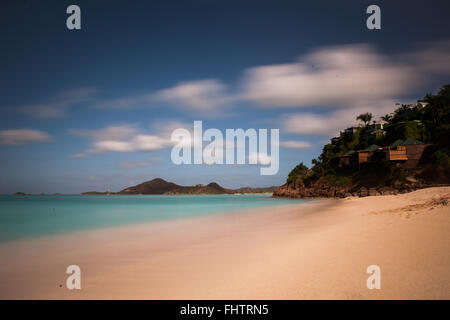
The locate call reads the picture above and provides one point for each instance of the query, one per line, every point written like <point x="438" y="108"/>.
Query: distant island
<point x="161" y="186"/>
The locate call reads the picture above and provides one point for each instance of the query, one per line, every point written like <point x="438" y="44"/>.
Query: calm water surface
<point x="36" y="215"/>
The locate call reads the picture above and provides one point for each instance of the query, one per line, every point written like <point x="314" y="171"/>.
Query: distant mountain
<point x="212" y="188"/>
<point x="97" y="193"/>
<point x="155" y="186"/>
<point x="161" y="186"/>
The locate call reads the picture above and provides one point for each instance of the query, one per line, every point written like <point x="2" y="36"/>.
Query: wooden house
<point x="364" y="156"/>
<point x="407" y="152"/>
<point x="348" y="159"/>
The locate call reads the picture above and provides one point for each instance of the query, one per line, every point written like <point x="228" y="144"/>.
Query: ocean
<point x="40" y="215"/>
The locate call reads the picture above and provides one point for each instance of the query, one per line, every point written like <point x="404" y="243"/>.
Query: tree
<point x="387" y="118"/>
<point x="365" y="117"/>
<point x="298" y="174"/>
<point x="436" y="116"/>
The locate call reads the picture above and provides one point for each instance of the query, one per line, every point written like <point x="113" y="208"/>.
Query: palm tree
<point x="365" y="117"/>
<point x="387" y="118"/>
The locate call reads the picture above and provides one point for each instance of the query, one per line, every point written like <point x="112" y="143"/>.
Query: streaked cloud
<point x="140" y="142"/>
<point x="343" y="76"/>
<point x="340" y="76"/>
<point x="205" y="95"/>
<point x="114" y="132"/>
<point x="127" y="138"/>
<point x="58" y="106"/>
<point x="22" y="136"/>
<point x="201" y="95"/>
<point x="328" y="124"/>
<point x="295" y="144"/>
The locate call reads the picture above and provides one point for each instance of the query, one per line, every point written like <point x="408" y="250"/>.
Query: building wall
<point x="414" y="153"/>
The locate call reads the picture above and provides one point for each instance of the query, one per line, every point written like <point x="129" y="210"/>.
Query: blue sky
<point x="141" y="68"/>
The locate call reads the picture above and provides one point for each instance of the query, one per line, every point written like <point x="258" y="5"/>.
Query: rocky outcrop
<point x="315" y="191"/>
<point x="326" y="191"/>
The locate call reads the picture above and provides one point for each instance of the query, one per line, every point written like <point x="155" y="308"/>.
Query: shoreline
<point x="167" y="222"/>
<point x="314" y="250"/>
<point x="167" y="218"/>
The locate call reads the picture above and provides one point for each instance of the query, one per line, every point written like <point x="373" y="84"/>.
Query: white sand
<point x="318" y="250"/>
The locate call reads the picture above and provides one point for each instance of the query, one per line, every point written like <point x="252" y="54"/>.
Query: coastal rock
<point x="326" y="191"/>
<point x="363" y="192"/>
<point x="385" y="190"/>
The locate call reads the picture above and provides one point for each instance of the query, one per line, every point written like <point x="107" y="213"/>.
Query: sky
<point x="93" y="109"/>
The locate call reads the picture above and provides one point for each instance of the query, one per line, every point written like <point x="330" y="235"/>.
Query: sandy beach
<point x="318" y="250"/>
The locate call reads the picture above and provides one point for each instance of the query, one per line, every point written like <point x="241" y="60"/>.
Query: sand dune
<point x="318" y="250"/>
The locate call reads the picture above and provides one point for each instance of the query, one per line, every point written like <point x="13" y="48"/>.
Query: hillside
<point x="155" y="186"/>
<point x="211" y="188"/>
<point x="402" y="151"/>
<point x="161" y="186"/>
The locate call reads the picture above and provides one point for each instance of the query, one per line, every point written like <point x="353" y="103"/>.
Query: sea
<point x="28" y="216"/>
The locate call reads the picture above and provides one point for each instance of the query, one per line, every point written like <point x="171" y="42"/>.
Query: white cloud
<point x="115" y="132"/>
<point x="295" y="144"/>
<point x="200" y="95"/>
<point x="126" y="138"/>
<point x="329" y="124"/>
<point x="314" y="124"/>
<point x="22" y="136"/>
<point x="144" y="142"/>
<point x="345" y="76"/>
<point x="113" y="145"/>
<point x="339" y="76"/>
<point x="59" y="105"/>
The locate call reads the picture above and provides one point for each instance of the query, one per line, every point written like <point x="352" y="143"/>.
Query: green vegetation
<point x="298" y="174"/>
<point x="365" y="117"/>
<point x="428" y="121"/>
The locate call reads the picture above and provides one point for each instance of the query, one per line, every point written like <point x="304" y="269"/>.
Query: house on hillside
<point x="348" y="159"/>
<point x="364" y="156"/>
<point x="377" y="125"/>
<point x="376" y="129"/>
<point x="407" y="152"/>
<point x="405" y="129"/>
<point x="335" y="141"/>
<point x="352" y="130"/>
<point x="396" y="152"/>
<point x="422" y="103"/>
<point x="356" y="158"/>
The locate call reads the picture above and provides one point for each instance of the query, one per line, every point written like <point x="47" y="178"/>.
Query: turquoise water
<point x="35" y="215"/>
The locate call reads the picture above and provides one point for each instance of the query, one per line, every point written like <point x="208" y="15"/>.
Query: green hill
<point x="404" y="150"/>
<point x="155" y="186"/>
